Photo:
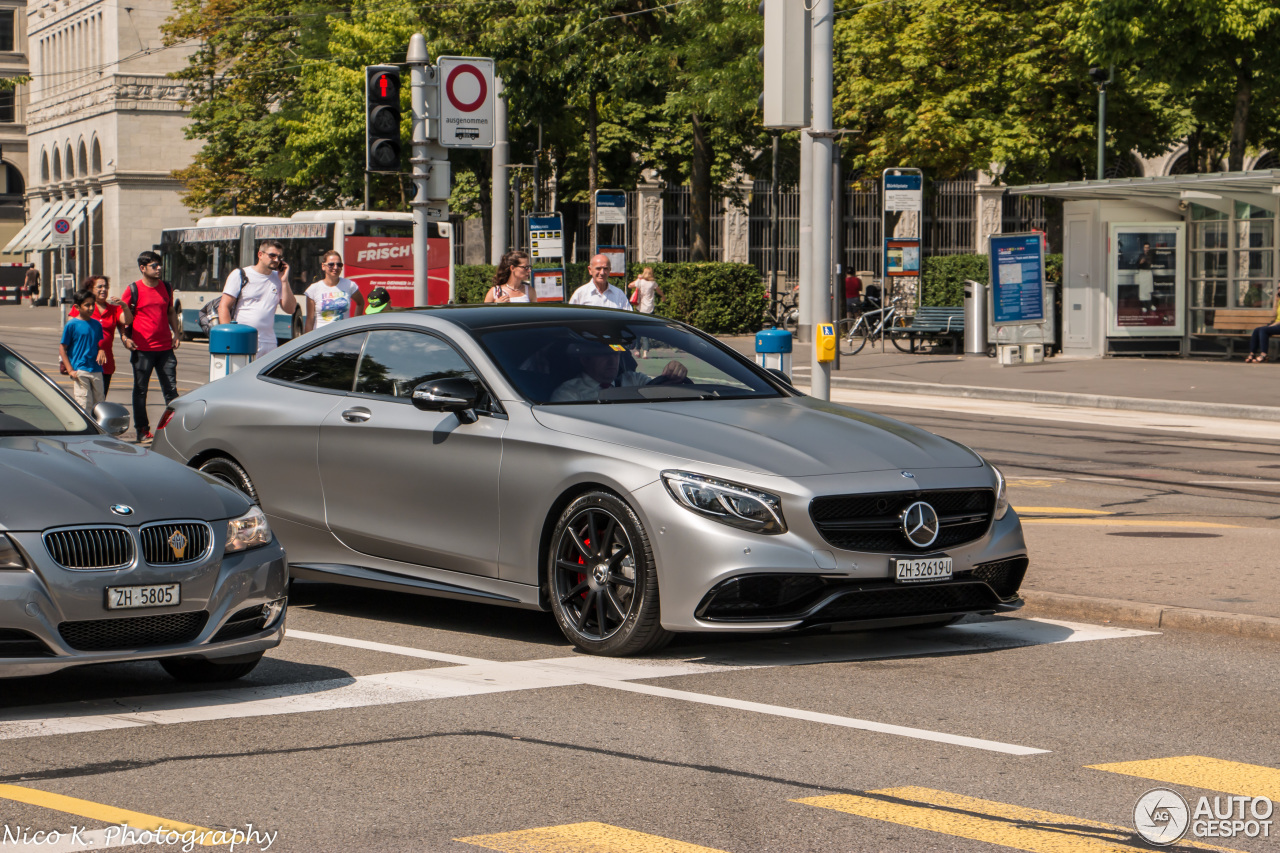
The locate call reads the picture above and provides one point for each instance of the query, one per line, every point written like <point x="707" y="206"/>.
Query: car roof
<point x="480" y="318"/>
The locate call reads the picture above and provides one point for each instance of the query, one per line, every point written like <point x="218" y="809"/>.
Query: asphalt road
<point x="389" y="722"/>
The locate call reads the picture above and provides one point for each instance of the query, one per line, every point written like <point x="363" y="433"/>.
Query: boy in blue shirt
<point x="82" y="355"/>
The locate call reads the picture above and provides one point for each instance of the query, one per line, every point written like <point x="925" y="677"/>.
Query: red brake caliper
<point x="582" y="562"/>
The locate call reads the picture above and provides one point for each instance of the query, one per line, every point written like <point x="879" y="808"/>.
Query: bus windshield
<point x="200" y="259"/>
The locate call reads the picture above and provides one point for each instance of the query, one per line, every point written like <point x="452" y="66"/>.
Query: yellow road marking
<point x="1232" y="777"/>
<point x="1127" y="522"/>
<point x="589" y="837"/>
<point x="93" y="811"/>
<point x="1061" y="510"/>
<point x="984" y="820"/>
<point x="1040" y="484"/>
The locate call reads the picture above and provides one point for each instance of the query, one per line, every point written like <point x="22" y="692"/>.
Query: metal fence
<point x="677" y="225"/>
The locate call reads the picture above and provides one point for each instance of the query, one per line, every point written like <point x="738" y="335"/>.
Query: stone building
<point x="104" y="131"/>
<point x="13" y="132"/>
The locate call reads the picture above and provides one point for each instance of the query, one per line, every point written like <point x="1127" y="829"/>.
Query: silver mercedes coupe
<point x="526" y="456"/>
<point x="109" y="552"/>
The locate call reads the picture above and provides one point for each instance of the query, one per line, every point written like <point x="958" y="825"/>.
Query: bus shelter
<point x="1165" y="265"/>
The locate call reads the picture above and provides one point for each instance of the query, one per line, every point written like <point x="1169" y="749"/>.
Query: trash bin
<point x="773" y="350"/>
<point x="975" y="318"/>
<point x="231" y="347"/>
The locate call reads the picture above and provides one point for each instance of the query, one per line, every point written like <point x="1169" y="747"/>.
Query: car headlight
<point x="10" y="556"/>
<point x="728" y="503"/>
<point x="248" y="531"/>
<point x="1002" y="495"/>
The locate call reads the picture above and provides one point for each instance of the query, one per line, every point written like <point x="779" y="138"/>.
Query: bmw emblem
<point x="920" y="524"/>
<point x="121" y="509"/>
<point x="908" y="475"/>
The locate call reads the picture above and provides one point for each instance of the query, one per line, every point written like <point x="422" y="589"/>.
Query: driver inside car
<point x="600" y="364"/>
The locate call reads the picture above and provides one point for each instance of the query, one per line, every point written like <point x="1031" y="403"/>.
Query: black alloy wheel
<point x="231" y="473"/>
<point x="602" y="578"/>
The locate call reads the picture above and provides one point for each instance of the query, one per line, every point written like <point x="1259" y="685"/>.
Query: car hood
<point x="50" y="482"/>
<point x="788" y="437"/>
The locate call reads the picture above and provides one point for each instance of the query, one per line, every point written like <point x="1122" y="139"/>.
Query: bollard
<point x="773" y="350"/>
<point x="231" y="347"/>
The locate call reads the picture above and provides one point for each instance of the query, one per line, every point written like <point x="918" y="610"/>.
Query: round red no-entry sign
<point x="463" y="74"/>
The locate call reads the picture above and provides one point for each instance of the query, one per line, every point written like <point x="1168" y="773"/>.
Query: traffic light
<point x="382" y="118"/>
<point x="787" y="72"/>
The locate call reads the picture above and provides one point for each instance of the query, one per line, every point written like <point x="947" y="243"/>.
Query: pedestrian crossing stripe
<point x="1197" y="771"/>
<point x="991" y="822"/>
<point x="588" y="837"/>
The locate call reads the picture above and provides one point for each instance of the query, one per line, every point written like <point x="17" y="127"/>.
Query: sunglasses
<point x="333" y="266"/>
<point x="272" y="257"/>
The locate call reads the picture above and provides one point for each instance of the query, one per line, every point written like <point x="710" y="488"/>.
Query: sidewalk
<point x="1207" y="388"/>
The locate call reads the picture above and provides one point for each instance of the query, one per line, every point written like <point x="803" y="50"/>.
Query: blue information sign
<point x="1017" y="279"/>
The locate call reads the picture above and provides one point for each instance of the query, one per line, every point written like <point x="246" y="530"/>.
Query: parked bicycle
<point x="856" y="331"/>
<point x="783" y="312"/>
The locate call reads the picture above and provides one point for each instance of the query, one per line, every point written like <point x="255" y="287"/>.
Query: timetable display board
<point x="1017" y="279"/>
<point x="546" y="255"/>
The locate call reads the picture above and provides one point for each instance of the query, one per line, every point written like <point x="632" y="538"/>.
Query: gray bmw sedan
<point x="109" y="552"/>
<point x="525" y="456"/>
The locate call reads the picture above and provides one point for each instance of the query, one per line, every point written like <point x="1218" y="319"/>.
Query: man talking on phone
<point x="252" y="294"/>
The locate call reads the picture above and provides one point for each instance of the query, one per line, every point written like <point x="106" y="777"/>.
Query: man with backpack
<point x="252" y="294"/>
<point x="153" y="332"/>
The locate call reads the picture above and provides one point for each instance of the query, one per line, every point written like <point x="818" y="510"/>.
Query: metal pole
<point x="516" y="231"/>
<point x="820" y="127"/>
<point x="499" y="238"/>
<point x="537" y="172"/>
<point x="804" y="325"/>
<point x="774" y="215"/>
<point x="837" y="248"/>
<point x="1102" y="130"/>
<point x="417" y="61"/>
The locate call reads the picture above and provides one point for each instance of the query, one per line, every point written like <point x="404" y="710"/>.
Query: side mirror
<point x="448" y="395"/>
<point x="778" y="374"/>
<point x="112" y="417"/>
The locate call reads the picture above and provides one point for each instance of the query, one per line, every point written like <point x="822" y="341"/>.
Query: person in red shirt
<point x="156" y="331"/>
<point x="107" y="310"/>
<point x="852" y="292"/>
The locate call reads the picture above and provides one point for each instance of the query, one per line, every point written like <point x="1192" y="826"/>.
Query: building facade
<point x="13" y="132"/>
<point x="104" y="127"/>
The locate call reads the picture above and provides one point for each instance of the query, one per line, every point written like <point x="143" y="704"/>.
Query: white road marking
<point x="1122" y="418"/>
<point x="476" y="676"/>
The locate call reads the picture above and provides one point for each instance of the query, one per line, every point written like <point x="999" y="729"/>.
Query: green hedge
<point x="944" y="276"/>
<point x="715" y="297"/>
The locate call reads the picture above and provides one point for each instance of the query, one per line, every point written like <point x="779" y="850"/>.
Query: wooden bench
<point x="1236" y="323"/>
<point x="937" y="322"/>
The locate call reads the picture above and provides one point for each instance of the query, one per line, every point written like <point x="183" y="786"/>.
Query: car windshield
<point x="31" y="405"/>
<point x="618" y="359"/>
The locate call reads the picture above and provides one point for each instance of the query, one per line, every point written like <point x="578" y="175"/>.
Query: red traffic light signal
<point x="382" y="118"/>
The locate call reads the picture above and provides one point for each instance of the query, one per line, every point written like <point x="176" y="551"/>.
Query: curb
<point x="1060" y="398"/>
<point x="1061" y="604"/>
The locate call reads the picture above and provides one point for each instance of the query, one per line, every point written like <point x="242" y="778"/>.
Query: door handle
<point x="356" y="416"/>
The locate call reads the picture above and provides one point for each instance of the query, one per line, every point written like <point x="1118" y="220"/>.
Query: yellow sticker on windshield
<point x="618" y="347"/>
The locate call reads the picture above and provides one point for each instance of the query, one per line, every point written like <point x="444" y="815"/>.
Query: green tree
<point x="1210" y="54"/>
<point x="981" y="84"/>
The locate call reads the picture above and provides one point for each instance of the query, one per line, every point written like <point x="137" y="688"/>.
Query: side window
<point x="332" y="365"/>
<point x="396" y="361"/>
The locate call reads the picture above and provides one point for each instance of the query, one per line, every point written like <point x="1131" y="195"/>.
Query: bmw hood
<point x="49" y="482"/>
<point x="789" y="437"/>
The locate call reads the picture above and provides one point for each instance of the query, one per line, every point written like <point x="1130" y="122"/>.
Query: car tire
<point x="204" y="671"/>
<point x="230" y="472"/>
<point x="609" y="607"/>
<point x="295" y="328"/>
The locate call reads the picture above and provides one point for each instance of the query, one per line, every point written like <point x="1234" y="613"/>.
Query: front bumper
<point x="53" y="618"/>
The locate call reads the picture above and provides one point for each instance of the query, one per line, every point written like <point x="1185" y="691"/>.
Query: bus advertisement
<point x="377" y="249"/>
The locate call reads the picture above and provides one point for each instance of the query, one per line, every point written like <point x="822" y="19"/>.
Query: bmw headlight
<point x="728" y="503"/>
<point x="248" y="531"/>
<point x="10" y="556"/>
<point x="1002" y="495"/>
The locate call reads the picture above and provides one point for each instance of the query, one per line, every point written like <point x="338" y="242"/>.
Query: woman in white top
<point x="644" y="292"/>
<point x="332" y="298"/>
<point x="511" y="281"/>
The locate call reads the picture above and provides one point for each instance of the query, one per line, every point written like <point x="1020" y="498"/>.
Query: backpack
<point x="132" y="302"/>
<point x="208" y="317"/>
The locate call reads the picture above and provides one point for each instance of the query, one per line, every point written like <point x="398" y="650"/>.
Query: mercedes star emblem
<point x="908" y="475"/>
<point x="920" y="524"/>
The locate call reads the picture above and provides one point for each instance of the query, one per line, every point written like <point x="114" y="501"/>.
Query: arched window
<point x="1123" y="166"/>
<point x="14" y="185"/>
<point x="95" y="163"/>
<point x="82" y="160"/>
<point x="1182" y="165"/>
<point x="68" y="163"/>
<point x="1269" y="160"/>
<point x="57" y="165"/>
<point x="44" y="167"/>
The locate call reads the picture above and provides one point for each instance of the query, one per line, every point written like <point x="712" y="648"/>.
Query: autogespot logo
<point x="1161" y="816"/>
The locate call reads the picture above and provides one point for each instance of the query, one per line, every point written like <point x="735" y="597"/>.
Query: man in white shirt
<point x="599" y="291"/>
<point x="252" y="294"/>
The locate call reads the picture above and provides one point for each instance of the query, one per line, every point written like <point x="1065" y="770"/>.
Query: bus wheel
<point x="297" y="326"/>
<point x="186" y="336"/>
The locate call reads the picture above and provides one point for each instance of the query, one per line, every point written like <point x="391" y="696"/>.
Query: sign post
<point x="903" y="194"/>
<point x="62" y="236"/>
<point x="611" y="221"/>
<point x="546" y="248"/>
<point x="1017" y="281"/>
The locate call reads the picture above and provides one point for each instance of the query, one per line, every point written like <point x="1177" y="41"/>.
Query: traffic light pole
<point x="419" y="80"/>
<point x="820" y="283"/>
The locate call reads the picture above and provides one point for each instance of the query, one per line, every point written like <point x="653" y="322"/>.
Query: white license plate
<point x="155" y="595"/>
<point x="921" y="570"/>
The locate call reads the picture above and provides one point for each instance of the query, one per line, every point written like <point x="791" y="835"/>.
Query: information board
<point x="904" y="193"/>
<point x="546" y="237"/>
<point x="1017" y="279"/>
<point x="611" y="207"/>
<point x="902" y="257"/>
<point x="466" y="101"/>
<point x="548" y="285"/>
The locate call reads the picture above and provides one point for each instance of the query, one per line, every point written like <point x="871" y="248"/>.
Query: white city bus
<point x="376" y="247"/>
